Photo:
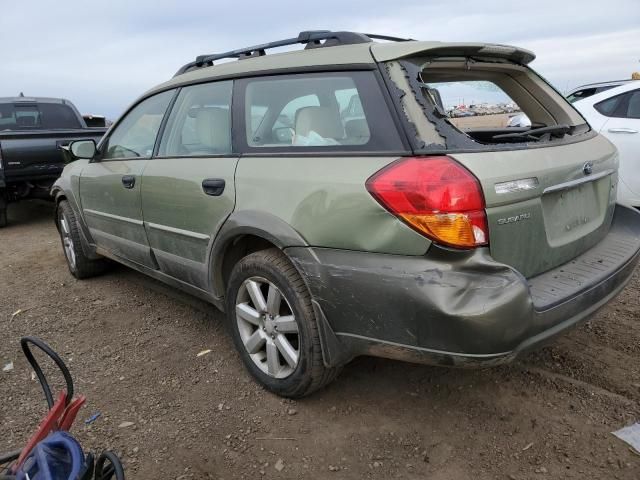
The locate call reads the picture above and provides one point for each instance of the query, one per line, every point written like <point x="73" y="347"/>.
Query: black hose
<point x="107" y="472"/>
<point x="24" y="342"/>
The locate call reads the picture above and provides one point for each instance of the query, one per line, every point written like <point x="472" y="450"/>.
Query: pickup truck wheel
<point x="79" y="264"/>
<point x="3" y="212"/>
<point x="274" y="327"/>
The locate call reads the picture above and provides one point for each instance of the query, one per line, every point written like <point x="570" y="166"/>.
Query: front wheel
<point x="274" y="327"/>
<point x="79" y="264"/>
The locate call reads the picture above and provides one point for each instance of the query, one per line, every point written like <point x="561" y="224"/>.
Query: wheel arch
<point x="58" y="195"/>
<point x="247" y="232"/>
<point x="243" y="233"/>
<point x="88" y="245"/>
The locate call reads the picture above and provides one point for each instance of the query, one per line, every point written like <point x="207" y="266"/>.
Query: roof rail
<point x="311" y="38"/>
<point x="375" y="36"/>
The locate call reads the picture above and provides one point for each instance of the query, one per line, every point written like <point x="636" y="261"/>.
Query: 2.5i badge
<point x="514" y="219"/>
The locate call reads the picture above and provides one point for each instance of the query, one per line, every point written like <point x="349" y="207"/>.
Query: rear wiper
<point x="530" y="134"/>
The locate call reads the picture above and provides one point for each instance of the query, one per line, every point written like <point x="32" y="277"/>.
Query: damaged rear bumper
<point x="458" y="308"/>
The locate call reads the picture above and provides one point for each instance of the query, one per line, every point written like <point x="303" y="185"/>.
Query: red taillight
<point x="436" y="196"/>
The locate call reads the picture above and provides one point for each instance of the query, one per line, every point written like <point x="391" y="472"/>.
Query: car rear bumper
<point x="458" y="308"/>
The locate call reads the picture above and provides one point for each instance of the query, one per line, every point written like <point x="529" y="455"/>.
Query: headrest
<point x="213" y="128"/>
<point x="325" y="121"/>
<point x="357" y="129"/>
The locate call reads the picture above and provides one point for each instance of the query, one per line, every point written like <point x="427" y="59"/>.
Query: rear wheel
<point x="3" y="212"/>
<point x="274" y="327"/>
<point x="79" y="264"/>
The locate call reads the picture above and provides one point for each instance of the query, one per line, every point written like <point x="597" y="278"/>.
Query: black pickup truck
<point x="32" y="132"/>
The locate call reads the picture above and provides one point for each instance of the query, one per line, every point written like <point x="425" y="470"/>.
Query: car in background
<point x="32" y="133"/>
<point x="578" y="93"/>
<point x="585" y="91"/>
<point x="96" y="121"/>
<point x="455" y="113"/>
<point x="615" y="113"/>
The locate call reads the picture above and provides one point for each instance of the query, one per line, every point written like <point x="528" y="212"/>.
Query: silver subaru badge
<point x="587" y="168"/>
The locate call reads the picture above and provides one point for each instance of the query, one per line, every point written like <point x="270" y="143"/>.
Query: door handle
<point x="129" y="181"/>
<point x="213" y="186"/>
<point x="622" y="130"/>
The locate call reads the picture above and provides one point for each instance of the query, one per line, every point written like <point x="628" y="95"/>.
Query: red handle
<point x="50" y="422"/>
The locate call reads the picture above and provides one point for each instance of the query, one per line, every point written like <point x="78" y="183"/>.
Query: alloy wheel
<point x="268" y="327"/>
<point x="67" y="242"/>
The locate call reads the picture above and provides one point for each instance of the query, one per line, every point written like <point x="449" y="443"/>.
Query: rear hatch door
<point x="549" y="188"/>
<point x="547" y="205"/>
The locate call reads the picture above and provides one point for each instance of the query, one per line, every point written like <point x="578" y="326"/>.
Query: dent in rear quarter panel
<point x="326" y="201"/>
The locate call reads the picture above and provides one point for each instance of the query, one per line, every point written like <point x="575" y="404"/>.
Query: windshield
<point x="36" y="116"/>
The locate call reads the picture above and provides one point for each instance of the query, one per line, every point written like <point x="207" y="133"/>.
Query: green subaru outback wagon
<point x="342" y="200"/>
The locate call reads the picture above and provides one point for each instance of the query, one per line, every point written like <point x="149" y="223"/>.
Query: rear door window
<point x="317" y="112"/>
<point x="200" y="122"/>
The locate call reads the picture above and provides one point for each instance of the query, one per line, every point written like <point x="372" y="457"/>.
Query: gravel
<point x="132" y="345"/>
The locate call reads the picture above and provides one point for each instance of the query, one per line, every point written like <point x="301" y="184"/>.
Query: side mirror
<point x="85" y="149"/>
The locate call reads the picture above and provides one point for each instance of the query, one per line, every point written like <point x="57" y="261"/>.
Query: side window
<point x="608" y="106"/>
<point x="284" y="125"/>
<point x="626" y="105"/>
<point x="587" y="92"/>
<point x="633" y="107"/>
<point x="135" y="135"/>
<point x="288" y="113"/>
<point x="330" y="111"/>
<point x="200" y="122"/>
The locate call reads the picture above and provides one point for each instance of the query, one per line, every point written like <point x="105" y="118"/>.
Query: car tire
<point x="79" y="264"/>
<point x="3" y="213"/>
<point x="270" y="334"/>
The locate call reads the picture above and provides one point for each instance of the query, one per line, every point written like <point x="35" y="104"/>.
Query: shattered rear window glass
<point x="470" y="104"/>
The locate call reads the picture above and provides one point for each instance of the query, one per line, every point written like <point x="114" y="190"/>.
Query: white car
<point x="578" y="93"/>
<point x="585" y="91"/>
<point x="615" y="113"/>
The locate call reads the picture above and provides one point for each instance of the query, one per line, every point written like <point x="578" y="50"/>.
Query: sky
<point x="103" y="55"/>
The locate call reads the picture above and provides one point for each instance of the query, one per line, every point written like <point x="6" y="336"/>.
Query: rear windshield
<point x="479" y="104"/>
<point x="36" y="116"/>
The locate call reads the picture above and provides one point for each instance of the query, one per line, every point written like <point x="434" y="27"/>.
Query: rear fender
<point x="248" y="222"/>
<point x="279" y="233"/>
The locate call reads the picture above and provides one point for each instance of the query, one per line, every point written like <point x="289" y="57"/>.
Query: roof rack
<point x="311" y="39"/>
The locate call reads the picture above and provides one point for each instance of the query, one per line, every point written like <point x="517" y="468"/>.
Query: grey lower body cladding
<point x="458" y="308"/>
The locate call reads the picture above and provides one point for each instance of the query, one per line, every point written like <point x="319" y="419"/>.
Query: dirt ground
<point x="131" y="344"/>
